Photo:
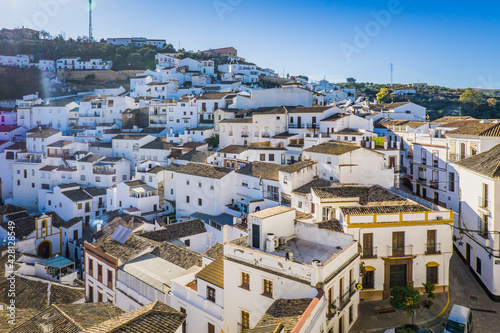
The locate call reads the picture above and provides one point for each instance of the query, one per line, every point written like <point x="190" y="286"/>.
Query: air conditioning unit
<point x="282" y="241"/>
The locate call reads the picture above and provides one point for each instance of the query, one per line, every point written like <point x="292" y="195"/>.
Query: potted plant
<point x="429" y="290"/>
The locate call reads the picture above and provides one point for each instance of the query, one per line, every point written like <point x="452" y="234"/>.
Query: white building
<point x="476" y="233"/>
<point x="350" y="163"/>
<point x="20" y="60"/>
<point x="134" y="194"/>
<point x="202" y="188"/>
<point x="282" y="261"/>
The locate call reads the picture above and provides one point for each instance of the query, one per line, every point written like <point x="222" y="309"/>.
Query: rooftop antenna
<point x="90" y="21"/>
<point x="391" y="67"/>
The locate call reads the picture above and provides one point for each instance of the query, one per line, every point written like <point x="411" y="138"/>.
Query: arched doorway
<point x="44" y="249"/>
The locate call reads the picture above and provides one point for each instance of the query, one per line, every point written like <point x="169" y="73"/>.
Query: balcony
<point x="484" y="203"/>
<point x="369" y="252"/>
<point x="266" y="135"/>
<point x="343" y="300"/>
<point x="244" y="135"/>
<point x="457" y="157"/>
<point x="401" y="251"/>
<point x="435" y="163"/>
<point x="434" y="184"/>
<point x="104" y="172"/>
<point x="424" y="161"/>
<point x="433" y="248"/>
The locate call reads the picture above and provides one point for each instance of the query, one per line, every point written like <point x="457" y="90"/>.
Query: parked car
<point x="459" y="320"/>
<point x="409" y="328"/>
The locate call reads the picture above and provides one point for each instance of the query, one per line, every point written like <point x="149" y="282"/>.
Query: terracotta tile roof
<point x="213" y="95"/>
<point x="361" y="210"/>
<point x="272" y="211"/>
<point x="297" y="166"/>
<point x="116" y="219"/>
<point x="284" y="135"/>
<point x="416" y="124"/>
<point x="366" y="194"/>
<point x="154" y="317"/>
<point x="176" y="230"/>
<point x="236" y="121"/>
<point x="215" y="251"/>
<point x="388" y="106"/>
<point x="34" y="293"/>
<point x="285" y="311"/>
<point x="459" y="123"/>
<point x="233" y="149"/>
<point x="336" y="116"/>
<point x="43" y="132"/>
<point x="261" y="170"/>
<point x="486" y="163"/>
<point x="178" y="255"/>
<point x="449" y="119"/>
<point x="478" y="129"/>
<point x="11" y="209"/>
<point x="333" y="225"/>
<point x="69" y="318"/>
<point x="125" y="251"/>
<point x="196" y="156"/>
<point x="213" y="273"/>
<point x="203" y="170"/>
<point x="308" y="109"/>
<point x="306" y="189"/>
<point x="333" y="148"/>
<point x="348" y="131"/>
<point x="77" y="195"/>
<point x="22" y="315"/>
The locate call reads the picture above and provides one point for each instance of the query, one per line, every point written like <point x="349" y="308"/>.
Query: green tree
<point x="429" y="288"/>
<point x="492" y="101"/>
<point x="383" y="95"/>
<point x="405" y="299"/>
<point x="351" y="80"/>
<point x="213" y="141"/>
<point x="471" y="97"/>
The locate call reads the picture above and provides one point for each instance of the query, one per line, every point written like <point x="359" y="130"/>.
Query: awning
<point x="432" y="264"/>
<point x="369" y="268"/>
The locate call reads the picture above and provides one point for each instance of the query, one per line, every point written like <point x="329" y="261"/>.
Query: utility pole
<point x="391" y="67"/>
<point x="90" y="21"/>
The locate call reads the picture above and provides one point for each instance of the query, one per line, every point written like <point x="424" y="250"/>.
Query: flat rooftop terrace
<point x="305" y="251"/>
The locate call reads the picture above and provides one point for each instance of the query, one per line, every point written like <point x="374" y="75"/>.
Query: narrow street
<point x="466" y="291"/>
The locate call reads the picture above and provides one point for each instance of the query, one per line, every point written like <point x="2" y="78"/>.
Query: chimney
<point x="270" y="244"/>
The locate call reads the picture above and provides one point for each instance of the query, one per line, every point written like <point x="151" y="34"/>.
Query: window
<point x="187" y="182"/>
<point x="50" y="203"/>
<point x="369" y="280"/>
<point x="271" y="157"/>
<point x="478" y="266"/>
<point x="351" y="314"/>
<point x="82" y="177"/>
<point x="368" y="250"/>
<point x="245" y="281"/>
<point x="99" y="272"/>
<point x="262" y="157"/>
<point x="187" y="198"/>
<point x="199" y="184"/>
<point x="184" y="324"/>
<point x="432" y="274"/>
<point x="75" y="234"/>
<point x="33" y="185"/>
<point x="451" y="178"/>
<point x="91" y="294"/>
<point x="91" y="267"/>
<point x="99" y="296"/>
<point x="211" y="328"/>
<point x="245" y="320"/>
<point x="267" y="288"/>
<point x="483" y="226"/>
<point x="18" y="182"/>
<point x="431" y="242"/>
<point x="80" y="205"/>
<point x="200" y="202"/>
<point x="398" y="243"/>
<point x="187" y="242"/>
<point x="172" y="191"/>
<point x="211" y="294"/>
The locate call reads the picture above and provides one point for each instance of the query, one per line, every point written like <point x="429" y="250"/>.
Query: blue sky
<point x="447" y="43"/>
